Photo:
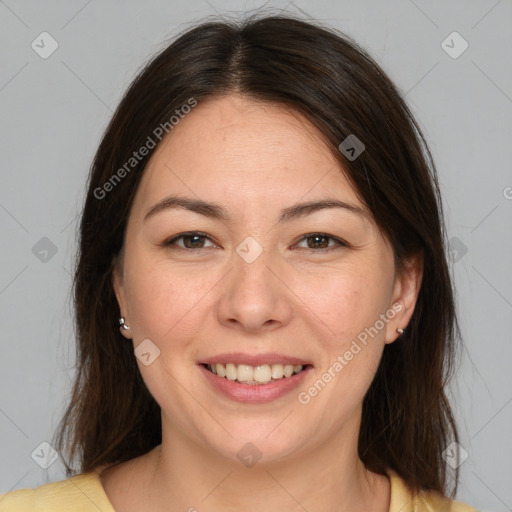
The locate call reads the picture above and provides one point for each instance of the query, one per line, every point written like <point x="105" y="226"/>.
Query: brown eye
<point x="191" y="241"/>
<point x="316" y="241"/>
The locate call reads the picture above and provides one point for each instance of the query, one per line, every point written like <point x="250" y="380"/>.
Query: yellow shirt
<point x="84" y="493"/>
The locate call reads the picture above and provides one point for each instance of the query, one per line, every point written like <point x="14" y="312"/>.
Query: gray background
<point x="54" y="111"/>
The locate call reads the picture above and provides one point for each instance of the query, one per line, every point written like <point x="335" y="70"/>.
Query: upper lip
<point x="254" y="359"/>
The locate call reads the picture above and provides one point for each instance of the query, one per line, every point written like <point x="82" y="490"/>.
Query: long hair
<point x="324" y="75"/>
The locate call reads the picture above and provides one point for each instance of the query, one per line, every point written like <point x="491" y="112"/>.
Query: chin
<point x="259" y="440"/>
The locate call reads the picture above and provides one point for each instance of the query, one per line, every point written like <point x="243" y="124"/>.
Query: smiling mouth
<point x="256" y="375"/>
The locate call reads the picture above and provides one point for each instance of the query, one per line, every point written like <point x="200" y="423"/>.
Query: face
<point x="248" y="253"/>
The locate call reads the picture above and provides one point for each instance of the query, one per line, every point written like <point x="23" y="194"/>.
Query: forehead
<point x="240" y="150"/>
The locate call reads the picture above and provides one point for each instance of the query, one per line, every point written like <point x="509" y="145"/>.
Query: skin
<point x="254" y="160"/>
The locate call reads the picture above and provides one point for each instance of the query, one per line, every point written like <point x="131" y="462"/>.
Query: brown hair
<point x="324" y="75"/>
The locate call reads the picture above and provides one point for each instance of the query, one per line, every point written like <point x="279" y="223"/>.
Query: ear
<point x="405" y="294"/>
<point x="119" y="290"/>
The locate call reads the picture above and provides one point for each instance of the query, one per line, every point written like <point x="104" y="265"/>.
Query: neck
<point x="186" y="476"/>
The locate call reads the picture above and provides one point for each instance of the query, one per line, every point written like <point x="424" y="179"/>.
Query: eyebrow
<point x="216" y="211"/>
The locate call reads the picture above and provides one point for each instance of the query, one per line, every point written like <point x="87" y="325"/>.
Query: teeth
<point x="231" y="371"/>
<point x="247" y="374"/>
<point x="220" y="369"/>
<point x="288" y="370"/>
<point x="262" y="373"/>
<point x="277" y="371"/>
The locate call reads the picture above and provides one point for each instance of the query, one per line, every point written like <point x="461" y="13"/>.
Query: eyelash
<point x="338" y="242"/>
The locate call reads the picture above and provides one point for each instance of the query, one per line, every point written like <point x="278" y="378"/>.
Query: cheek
<point x="343" y="302"/>
<point x="349" y="302"/>
<point x="163" y="302"/>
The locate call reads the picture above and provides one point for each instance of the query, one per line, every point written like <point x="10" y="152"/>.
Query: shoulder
<point x="80" y="493"/>
<point x="402" y="500"/>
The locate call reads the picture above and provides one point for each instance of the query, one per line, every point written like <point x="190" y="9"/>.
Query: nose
<point x="254" y="296"/>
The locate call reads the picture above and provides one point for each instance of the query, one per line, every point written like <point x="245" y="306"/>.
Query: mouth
<point x="254" y="378"/>
<point x="255" y="375"/>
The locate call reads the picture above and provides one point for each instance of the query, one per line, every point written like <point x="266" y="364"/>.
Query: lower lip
<point x="254" y="393"/>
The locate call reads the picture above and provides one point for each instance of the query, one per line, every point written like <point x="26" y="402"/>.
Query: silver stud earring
<point x="400" y="331"/>
<point x="122" y="324"/>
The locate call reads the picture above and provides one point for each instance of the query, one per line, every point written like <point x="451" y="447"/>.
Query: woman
<point x="264" y="311"/>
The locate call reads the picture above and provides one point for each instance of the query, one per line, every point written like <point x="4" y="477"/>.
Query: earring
<point x="400" y="331"/>
<point x="122" y="324"/>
